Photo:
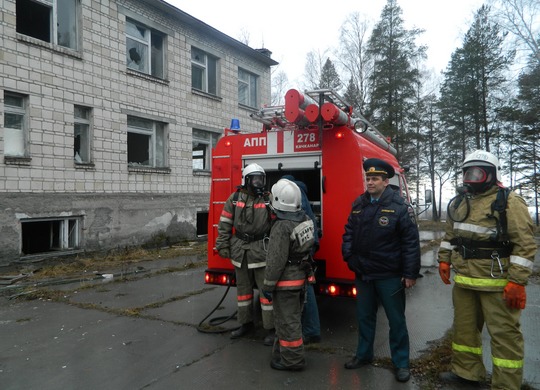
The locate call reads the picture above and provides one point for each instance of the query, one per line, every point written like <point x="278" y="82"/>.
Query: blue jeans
<point x="391" y="295"/>
<point x="311" y="325"/>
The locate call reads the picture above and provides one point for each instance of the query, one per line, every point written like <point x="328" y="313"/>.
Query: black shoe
<point x="312" y="340"/>
<point x="450" y="377"/>
<point x="278" y="365"/>
<point x="403" y="374"/>
<point x="242" y="331"/>
<point x="269" y="339"/>
<point x="356" y="363"/>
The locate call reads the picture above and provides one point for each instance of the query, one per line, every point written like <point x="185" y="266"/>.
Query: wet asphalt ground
<point x="144" y="333"/>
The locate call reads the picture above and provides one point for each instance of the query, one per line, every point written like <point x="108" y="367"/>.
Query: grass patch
<point x="93" y="263"/>
<point x="435" y="360"/>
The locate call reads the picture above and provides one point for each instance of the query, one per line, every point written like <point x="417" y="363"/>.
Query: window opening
<point x="14" y="125"/>
<point x="203" y="143"/>
<point x="203" y="71"/>
<point x="53" y="21"/>
<point x="247" y="88"/>
<point x="145" y="142"/>
<point x="81" y="147"/>
<point x="144" y="49"/>
<point x="202" y="223"/>
<point x="50" y="235"/>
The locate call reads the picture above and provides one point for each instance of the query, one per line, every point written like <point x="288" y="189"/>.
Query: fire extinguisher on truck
<point x="315" y="138"/>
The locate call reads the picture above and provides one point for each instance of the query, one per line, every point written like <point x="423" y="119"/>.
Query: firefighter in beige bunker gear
<point x="288" y="269"/>
<point x="492" y="254"/>
<point x="247" y="211"/>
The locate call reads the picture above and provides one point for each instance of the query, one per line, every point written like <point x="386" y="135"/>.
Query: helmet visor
<point x="256" y="180"/>
<point x="474" y="175"/>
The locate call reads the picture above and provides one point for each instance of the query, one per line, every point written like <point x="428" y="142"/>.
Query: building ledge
<point x="142" y="169"/>
<point x="22" y="161"/>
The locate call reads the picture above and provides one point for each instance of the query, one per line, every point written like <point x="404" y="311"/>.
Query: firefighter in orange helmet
<point x="489" y="243"/>
<point x="288" y="269"/>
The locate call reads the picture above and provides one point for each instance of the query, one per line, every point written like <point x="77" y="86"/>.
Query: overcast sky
<point x="291" y="28"/>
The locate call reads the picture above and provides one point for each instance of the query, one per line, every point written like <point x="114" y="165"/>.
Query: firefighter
<point x="287" y="271"/>
<point x="381" y="246"/>
<point x="247" y="210"/>
<point x="489" y="243"/>
<point x="311" y="324"/>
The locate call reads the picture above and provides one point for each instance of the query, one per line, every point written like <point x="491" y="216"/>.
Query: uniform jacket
<point x="381" y="240"/>
<point x="288" y="253"/>
<point x="250" y="216"/>
<point x="476" y="273"/>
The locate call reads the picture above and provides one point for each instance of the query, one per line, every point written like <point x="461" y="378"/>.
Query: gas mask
<point x="478" y="179"/>
<point x="256" y="183"/>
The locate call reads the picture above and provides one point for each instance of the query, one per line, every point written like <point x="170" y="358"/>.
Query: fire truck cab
<point x="315" y="138"/>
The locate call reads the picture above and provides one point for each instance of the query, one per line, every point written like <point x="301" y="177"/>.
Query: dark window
<point x="49" y="235"/>
<point x="35" y="19"/>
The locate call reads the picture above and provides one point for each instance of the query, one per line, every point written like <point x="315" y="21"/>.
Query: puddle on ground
<point x="429" y="259"/>
<point x="429" y="235"/>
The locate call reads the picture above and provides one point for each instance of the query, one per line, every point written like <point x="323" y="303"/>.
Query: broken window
<point x="14" y="125"/>
<point x="145" y="142"/>
<point x="144" y="49"/>
<point x="81" y="147"/>
<point x="53" y="21"/>
<point x="247" y="88"/>
<point x="48" y="235"/>
<point x="203" y="143"/>
<point x="203" y="71"/>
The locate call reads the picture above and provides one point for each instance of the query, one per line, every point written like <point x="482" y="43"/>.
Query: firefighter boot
<point x="269" y="339"/>
<point x="243" y="330"/>
<point x="451" y="378"/>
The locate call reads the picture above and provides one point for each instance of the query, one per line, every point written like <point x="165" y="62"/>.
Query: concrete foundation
<point x="105" y="221"/>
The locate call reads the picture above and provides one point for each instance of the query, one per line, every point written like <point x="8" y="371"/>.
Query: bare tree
<point x="243" y="36"/>
<point x="280" y="85"/>
<point x="315" y="61"/>
<point x="522" y="19"/>
<point x="352" y="54"/>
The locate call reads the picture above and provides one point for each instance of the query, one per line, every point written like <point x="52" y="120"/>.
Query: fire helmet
<point x="481" y="158"/>
<point x="251" y="172"/>
<point x="481" y="170"/>
<point x="286" y="196"/>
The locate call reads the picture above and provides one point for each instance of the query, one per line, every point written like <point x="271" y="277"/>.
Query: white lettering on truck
<point x="251" y="142"/>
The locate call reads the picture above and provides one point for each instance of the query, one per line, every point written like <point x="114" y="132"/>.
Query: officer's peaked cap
<point x="376" y="166"/>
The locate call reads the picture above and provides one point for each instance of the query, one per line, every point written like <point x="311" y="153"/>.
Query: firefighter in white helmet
<point x="247" y="210"/>
<point x="489" y="243"/>
<point x="288" y="269"/>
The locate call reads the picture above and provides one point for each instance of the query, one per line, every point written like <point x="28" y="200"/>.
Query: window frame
<point x="56" y="8"/>
<point x="86" y="126"/>
<point x="208" y="66"/>
<point x="22" y="111"/>
<point x="64" y="234"/>
<point x="208" y="143"/>
<point x="250" y="86"/>
<point x="154" y="160"/>
<point x="152" y="53"/>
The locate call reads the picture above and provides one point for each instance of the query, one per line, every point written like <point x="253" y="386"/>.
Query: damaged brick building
<point x="109" y="110"/>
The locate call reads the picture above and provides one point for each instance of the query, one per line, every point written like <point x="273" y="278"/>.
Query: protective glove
<point x="225" y="253"/>
<point x="267" y="295"/>
<point x="444" y="272"/>
<point x="515" y="296"/>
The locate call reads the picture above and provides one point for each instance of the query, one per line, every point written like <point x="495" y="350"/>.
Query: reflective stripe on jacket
<point x="250" y="216"/>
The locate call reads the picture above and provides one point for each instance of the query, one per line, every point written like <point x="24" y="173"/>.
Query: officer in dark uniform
<point x="381" y="246"/>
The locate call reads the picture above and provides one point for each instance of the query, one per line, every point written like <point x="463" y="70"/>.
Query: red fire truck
<point x="315" y="138"/>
